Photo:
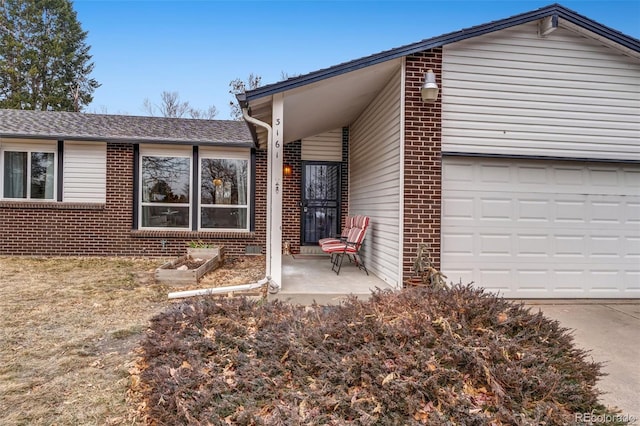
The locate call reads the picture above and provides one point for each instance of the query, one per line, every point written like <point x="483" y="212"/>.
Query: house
<point x="523" y="175"/>
<point x="85" y="184"/>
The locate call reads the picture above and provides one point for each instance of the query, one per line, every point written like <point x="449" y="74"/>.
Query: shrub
<point x="419" y="356"/>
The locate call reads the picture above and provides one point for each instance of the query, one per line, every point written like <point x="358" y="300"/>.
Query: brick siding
<point x="291" y="193"/>
<point x="76" y="229"/>
<point x="423" y="161"/>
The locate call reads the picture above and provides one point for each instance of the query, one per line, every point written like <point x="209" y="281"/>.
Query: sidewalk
<point x="611" y="331"/>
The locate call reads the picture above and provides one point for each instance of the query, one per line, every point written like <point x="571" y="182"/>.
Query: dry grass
<point x="68" y="328"/>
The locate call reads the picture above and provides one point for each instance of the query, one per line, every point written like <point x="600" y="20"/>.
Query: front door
<point x="320" y="201"/>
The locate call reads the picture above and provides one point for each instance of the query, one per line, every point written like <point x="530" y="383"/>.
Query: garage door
<point x="542" y="229"/>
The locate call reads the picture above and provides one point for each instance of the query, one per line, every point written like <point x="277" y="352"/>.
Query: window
<point x="187" y="188"/>
<point x="224" y="193"/>
<point x="165" y="189"/>
<point x="29" y="175"/>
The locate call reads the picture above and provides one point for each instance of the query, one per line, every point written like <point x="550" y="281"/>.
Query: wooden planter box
<point x="204" y="253"/>
<point x="167" y="274"/>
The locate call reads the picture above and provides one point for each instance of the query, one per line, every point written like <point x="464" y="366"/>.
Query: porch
<point x="307" y="278"/>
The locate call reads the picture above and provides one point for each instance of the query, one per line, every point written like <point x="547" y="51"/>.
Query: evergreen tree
<point x="44" y="59"/>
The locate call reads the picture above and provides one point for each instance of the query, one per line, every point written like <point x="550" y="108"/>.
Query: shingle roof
<point x="556" y="10"/>
<point x="122" y="128"/>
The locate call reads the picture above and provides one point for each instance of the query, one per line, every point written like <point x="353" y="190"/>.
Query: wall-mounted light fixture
<point x="217" y="182"/>
<point x="429" y="90"/>
<point x="286" y="170"/>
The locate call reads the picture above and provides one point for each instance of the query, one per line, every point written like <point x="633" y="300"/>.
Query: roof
<point x="570" y="18"/>
<point x="121" y="128"/>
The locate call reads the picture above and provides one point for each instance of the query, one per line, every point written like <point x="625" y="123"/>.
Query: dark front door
<point x="320" y="201"/>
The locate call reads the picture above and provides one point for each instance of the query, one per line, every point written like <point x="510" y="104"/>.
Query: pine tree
<point x="44" y="59"/>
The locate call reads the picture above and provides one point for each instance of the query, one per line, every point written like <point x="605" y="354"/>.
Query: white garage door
<point x="542" y="229"/>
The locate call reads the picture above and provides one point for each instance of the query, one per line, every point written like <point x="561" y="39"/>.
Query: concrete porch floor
<point x="309" y="278"/>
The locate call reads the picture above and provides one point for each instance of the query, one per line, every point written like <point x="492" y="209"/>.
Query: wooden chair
<point x="351" y="247"/>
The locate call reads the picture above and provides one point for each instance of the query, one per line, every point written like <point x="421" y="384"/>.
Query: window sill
<point x="50" y="205"/>
<point x="194" y="235"/>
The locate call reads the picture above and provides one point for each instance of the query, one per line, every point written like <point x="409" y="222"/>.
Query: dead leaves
<point x="413" y="357"/>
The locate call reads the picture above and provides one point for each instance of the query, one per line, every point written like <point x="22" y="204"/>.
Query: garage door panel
<point x="492" y="245"/>
<point x="495" y="173"/>
<point x="500" y="279"/>
<point x="607" y="212"/>
<point x="605" y="247"/>
<point x="532" y="245"/>
<point x="460" y="245"/>
<point x="532" y="279"/>
<point x="460" y="208"/>
<point x="540" y="228"/>
<point x="496" y="209"/>
<point x="633" y="213"/>
<point x="570" y="280"/>
<point x="533" y="210"/>
<point x="570" y="211"/>
<point x="570" y="246"/>
<point x="632" y="248"/>
<point x="631" y="282"/>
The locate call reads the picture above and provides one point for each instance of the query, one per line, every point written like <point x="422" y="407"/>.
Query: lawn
<point x="68" y="329"/>
<point x="88" y="341"/>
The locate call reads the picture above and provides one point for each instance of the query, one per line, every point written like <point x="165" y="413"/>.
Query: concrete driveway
<point x="611" y="331"/>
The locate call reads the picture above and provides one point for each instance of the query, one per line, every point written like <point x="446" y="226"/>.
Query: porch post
<point x="274" y="175"/>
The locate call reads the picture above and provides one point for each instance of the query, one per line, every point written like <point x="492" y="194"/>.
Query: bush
<point x="419" y="356"/>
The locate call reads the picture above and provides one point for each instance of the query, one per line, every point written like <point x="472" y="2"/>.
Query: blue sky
<point x="142" y="48"/>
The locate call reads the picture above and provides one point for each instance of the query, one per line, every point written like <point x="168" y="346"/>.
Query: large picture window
<point x="166" y="185"/>
<point x="29" y="175"/>
<point x="196" y="189"/>
<point x="224" y="194"/>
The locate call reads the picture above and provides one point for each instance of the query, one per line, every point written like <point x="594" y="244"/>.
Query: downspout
<point x="274" y="287"/>
<point x="220" y="290"/>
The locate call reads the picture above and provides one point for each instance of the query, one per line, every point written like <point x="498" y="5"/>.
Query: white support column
<point x="274" y="177"/>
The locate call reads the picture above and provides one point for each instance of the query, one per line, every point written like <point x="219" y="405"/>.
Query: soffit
<point x="327" y="104"/>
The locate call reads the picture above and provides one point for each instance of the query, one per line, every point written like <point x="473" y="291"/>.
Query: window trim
<point x="48" y="147"/>
<point x="222" y="154"/>
<point x="169" y="152"/>
<point x="195" y="153"/>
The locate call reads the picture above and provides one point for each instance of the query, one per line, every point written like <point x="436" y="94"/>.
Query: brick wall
<point x="423" y="161"/>
<point x="46" y="229"/>
<point x="291" y="193"/>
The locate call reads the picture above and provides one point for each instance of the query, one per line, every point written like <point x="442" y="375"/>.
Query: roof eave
<point x="439" y="41"/>
<point x="237" y="144"/>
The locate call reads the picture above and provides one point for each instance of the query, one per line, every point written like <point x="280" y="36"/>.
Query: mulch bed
<point x="414" y="357"/>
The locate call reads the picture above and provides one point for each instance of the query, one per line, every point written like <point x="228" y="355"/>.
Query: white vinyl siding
<point x="375" y="179"/>
<point x="324" y="147"/>
<point x="85" y="172"/>
<point x="542" y="229"/>
<point x="565" y="96"/>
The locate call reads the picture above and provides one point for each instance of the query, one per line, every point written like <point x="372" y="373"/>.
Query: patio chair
<point x="348" y="224"/>
<point x="351" y="247"/>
